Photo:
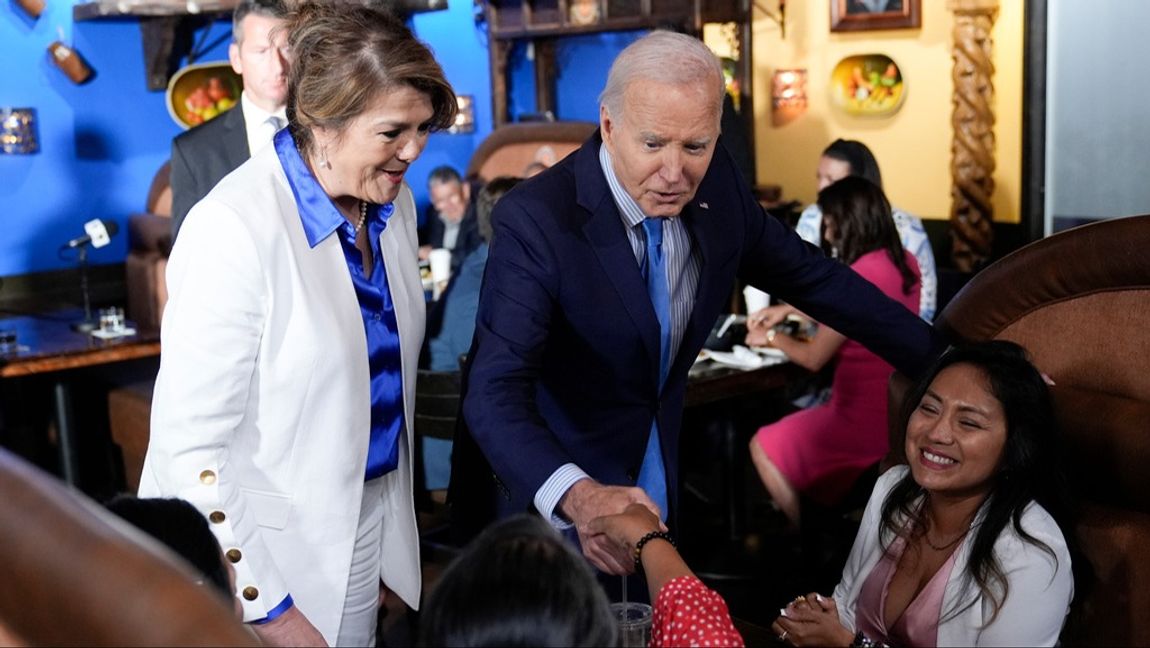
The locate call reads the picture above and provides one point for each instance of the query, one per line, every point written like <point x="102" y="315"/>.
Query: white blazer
<point x="1040" y="588"/>
<point x="261" y="412"/>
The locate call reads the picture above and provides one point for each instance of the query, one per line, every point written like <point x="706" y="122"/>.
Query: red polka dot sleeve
<point x="688" y="613"/>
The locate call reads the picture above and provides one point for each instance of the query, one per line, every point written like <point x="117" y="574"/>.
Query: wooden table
<point x="48" y="345"/>
<point x="710" y="382"/>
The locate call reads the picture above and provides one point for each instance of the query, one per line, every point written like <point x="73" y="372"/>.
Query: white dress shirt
<point x="260" y="124"/>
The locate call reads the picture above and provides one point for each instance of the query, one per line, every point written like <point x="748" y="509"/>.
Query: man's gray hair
<point x="663" y="57"/>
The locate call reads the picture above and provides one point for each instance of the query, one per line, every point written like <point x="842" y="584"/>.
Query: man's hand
<point x="587" y="500"/>
<point x="289" y="629"/>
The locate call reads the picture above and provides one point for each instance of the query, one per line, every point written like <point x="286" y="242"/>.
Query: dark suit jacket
<point x="201" y="158"/>
<point x="432" y="231"/>
<point x="564" y="366"/>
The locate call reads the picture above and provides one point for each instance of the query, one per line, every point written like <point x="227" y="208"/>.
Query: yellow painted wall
<point x="912" y="146"/>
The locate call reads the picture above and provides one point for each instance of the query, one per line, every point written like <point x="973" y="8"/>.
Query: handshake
<point x="610" y="521"/>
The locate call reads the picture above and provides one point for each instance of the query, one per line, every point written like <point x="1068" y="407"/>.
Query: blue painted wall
<point x="102" y="142"/>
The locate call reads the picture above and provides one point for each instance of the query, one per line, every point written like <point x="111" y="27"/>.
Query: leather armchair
<point x="149" y="243"/>
<point x="1079" y="301"/>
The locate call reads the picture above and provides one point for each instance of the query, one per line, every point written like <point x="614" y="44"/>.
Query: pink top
<point x="688" y="613"/>
<point x="918" y="625"/>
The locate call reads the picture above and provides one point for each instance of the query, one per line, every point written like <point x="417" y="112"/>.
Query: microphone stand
<point x="86" y="325"/>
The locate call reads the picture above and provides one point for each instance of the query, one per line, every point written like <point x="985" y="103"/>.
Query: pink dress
<point x="823" y="450"/>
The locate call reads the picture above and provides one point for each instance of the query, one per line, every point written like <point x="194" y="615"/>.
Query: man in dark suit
<point x="205" y="154"/>
<point x="605" y="275"/>
<point x="450" y="221"/>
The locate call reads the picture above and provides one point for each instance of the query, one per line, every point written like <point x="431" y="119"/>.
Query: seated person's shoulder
<point x="1041" y="526"/>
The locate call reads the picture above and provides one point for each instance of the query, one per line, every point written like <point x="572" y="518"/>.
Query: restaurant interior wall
<point x="912" y="146"/>
<point x="102" y="142"/>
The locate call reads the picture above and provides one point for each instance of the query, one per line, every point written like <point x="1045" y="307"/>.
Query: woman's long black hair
<point x="861" y="215"/>
<point x="1030" y="468"/>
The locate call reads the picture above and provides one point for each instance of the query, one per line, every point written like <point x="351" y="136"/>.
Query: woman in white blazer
<point x="283" y="407"/>
<point x="964" y="546"/>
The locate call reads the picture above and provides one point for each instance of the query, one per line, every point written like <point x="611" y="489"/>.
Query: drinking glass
<point x="634" y="621"/>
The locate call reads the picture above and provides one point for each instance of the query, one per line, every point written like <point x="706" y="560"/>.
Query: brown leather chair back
<point x="510" y="148"/>
<point x="160" y="193"/>
<point x="1079" y="301"/>
<point x="77" y="575"/>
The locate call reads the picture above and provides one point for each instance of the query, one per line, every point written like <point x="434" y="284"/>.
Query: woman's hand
<point x="291" y="628"/>
<point x="812" y="620"/>
<point x="627" y="528"/>
<point x="767" y="318"/>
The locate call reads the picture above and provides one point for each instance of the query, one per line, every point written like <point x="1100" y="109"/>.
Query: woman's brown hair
<point x="343" y="55"/>
<point x="862" y="220"/>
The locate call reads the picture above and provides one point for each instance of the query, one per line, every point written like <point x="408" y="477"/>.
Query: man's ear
<point x="466" y="186"/>
<point x="234" y="58"/>
<point x="606" y="126"/>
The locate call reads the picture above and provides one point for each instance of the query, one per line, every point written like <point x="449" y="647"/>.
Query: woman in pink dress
<point x="821" y="451"/>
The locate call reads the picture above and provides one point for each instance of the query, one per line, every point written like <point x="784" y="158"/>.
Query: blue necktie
<point x="653" y="474"/>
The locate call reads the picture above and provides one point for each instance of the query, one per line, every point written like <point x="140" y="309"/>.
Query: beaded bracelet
<point x="661" y="535"/>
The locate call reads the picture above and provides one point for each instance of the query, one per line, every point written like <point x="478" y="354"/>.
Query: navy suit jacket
<point x="565" y="362"/>
<point x="202" y="157"/>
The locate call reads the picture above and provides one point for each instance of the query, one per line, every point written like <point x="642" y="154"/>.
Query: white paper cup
<point x="440" y="260"/>
<point x="755" y="299"/>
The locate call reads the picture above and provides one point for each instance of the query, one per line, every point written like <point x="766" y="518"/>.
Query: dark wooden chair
<point x="77" y="575"/>
<point x="436" y="411"/>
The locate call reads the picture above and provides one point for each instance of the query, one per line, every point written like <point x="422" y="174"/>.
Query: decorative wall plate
<point x="202" y="91"/>
<point x="868" y="84"/>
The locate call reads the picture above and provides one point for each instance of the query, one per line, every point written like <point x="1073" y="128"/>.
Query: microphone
<point x="98" y="233"/>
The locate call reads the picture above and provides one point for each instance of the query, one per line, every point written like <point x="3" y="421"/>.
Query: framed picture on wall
<point x="864" y="15"/>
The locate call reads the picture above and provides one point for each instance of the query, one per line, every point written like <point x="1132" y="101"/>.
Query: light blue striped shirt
<point x="683" y="266"/>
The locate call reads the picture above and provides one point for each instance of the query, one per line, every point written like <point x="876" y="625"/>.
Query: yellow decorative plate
<point x="202" y="91"/>
<point x="868" y="84"/>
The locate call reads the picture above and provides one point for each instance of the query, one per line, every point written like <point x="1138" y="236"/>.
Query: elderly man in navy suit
<point x="605" y="274"/>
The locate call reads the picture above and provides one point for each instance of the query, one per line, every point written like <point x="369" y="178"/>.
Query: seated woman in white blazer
<point x="283" y="407"/>
<point x="965" y="546"/>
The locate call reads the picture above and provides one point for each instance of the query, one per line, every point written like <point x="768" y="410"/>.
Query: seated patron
<point x="963" y="547"/>
<point x="452" y="325"/>
<point x="687" y="612"/>
<point x="850" y="158"/>
<point x="183" y="529"/>
<point x="520" y="584"/>
<point x="461" y="298"/>
<point x="450" y="220"/>
<point x="822" y="450"/>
